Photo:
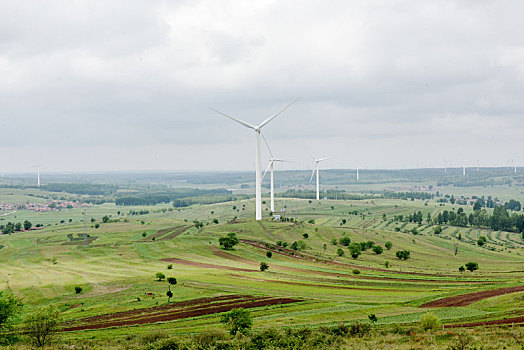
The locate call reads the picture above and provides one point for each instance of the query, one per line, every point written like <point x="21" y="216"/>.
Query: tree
<point x="472" y="266"/>
<point x="305" y="235"/>
<point x="171" y="281"/>
<point x="340" y="252"/>
<point x="105" y="219"/>
<point x="27" y="225"/>
<point x="215" y="221"/>
<point x="170" y="266"/>
<point x="160" y="276"/>
<point x="345" y="241"/>
<point x="237" y="321"/>
<point x="481" y="241"/>
<point x="269" y="254"/>
<point x="462" y="269"/>
<point x="355" y="249"/>
<point x="169" y="295"/>
<point x="373" y="318"/>
<point x="403" y="254"/>
<point x="229" y="241"/>
<point x="42" y="325"/>
<point x="437" y="230"/>
<point x="9" y="308"/>
<point x="378" y="249"/>
<point x="78" y="289"/>
<point x="388" y="245"/>
<point x="429" y="321"/>
<point x="263" y="266"/>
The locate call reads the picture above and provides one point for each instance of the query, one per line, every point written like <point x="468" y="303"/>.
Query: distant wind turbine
<point x="258" y="171"/>
<point x="358" y="177"/>
<point x="37" y="166"/>
<point x="271" y="166"/>
<point x="316" y="169"/>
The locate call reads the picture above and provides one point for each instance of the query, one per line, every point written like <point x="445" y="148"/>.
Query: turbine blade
<point x="321" y="159"/>
<point x="312" y="174"/>
<point x="267" y="168"/>
<point x="315" y="159"/>
<point x="235" y="119"/>
<point x="269" y="149"/>
<point x="276" y="114"/>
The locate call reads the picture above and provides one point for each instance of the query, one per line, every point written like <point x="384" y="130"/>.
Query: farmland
<point x="309" y="283"/>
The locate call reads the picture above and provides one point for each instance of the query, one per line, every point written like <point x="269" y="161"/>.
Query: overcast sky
<point x="127" y="85"/>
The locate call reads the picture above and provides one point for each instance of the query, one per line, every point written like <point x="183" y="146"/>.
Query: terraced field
<point x="311" y="286"/>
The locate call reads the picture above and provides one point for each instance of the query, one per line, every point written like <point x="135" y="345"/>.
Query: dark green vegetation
<point x="331" y="274"/>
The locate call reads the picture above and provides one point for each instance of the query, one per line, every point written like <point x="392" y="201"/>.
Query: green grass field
<point x="117" y="269"/>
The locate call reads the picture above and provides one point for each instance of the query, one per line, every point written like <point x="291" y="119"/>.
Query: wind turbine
<point x="37" y="166"/>
<point x="271" y="164"/>
<point x="258" y="172"/>
<point x="312" y="174"/>
<point x="358" y="176"/>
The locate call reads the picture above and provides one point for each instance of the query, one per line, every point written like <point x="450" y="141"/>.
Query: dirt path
<point x="466" y="299"/>
<point x="175" y="311"/>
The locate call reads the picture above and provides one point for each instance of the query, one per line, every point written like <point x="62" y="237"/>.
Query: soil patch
<point x="512" y="320"/>
<point x="175" y="311"/>
<point x="466" y="299"/>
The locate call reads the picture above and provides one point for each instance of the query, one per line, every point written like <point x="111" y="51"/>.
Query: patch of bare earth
<point x="466" y="299"/>
<point x="175" y="311"/>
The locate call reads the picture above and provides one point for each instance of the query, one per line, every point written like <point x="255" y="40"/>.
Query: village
<point x="53" y="205"/>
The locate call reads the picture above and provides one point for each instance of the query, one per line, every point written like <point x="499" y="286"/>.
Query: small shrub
<point x="311" y="221"/>
<point x="78" y="289"/>
<point x="269" y="254"/>
<point x="378" y="249"/>
<point x="263" y="266"/>
<point x="345" y="241"/>
<point x="462" y="269"/>
<point x="373" y="318"/>
<point x="386" y="264"/>
<point x="340" y="252"/>
<point x="305" y="235"/>
<point x="403" y="254"/>
<point x="237" y="321"/>
<point x="429" y="321"/>
<point x="170" y="266"/>
<point x="356" y="271"/>
<point x="359" y="329"/>
<point x="388" y="245"/>
<point x="209" y="338"/>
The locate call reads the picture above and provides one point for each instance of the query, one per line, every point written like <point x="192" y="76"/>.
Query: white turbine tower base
<point x="258" y="171"/>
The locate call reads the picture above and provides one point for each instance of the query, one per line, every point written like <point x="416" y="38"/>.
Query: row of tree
<point x="12" y="227"/>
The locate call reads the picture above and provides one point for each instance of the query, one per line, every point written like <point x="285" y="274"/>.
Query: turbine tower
<point x="37" y="166"/>
<point x="258" y="172"/>
<point x="358" y="176"/>
<point x="271" y="164"/>
<point x="316" y="169"/>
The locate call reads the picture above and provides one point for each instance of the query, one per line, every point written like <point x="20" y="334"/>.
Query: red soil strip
<point x="297" y="255"/>
<point x="512" y="320"/>
<point x="466" y="299"/>
<point x="206" y="266"/>
<point x="175" y="311"/>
